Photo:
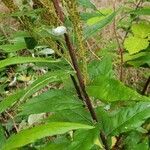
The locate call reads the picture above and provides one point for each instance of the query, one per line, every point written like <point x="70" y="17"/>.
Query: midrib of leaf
<point x="81" y="116"/>
<point x="9" y="101"/>
<point x="75" y="106"/>
<point x="128" y="120"/>
<point x="55" y="78"/>
<point x="19" y="60"/>
<point x="41" y="131"/>
<point x="28" y="91"/>
<point x="67" y="102"/>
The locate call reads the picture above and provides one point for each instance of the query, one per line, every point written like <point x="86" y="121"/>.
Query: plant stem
<point x="74" y="61"/>
<point x="128" y="29"/>
<point x="78" y="72"/>
<point x="119" y="44"/>
<point x="58" y="10"/>
<point x="79" y="76"/>
<point x="76" y="87"/>
<point x="146" y="86"/>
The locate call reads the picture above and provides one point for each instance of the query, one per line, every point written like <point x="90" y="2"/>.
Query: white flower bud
<point x="59" y="30"/>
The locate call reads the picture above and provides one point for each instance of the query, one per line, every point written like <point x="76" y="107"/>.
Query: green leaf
<point x="100" y="67"/>
<point x="141" y="30"/>
<point x="135" y="44"/>
<point x="10" y="100"/>
<point x="56" y="76"/>
<point x="110" y="90"/>
<point x="18" y="43"/>
<point x="51" y="101"/>
<point x="79" y="115"/>
<point x="141" y="11"/>
<point x="20" y="60"/>
<point x="104" y="13"/>
<point x="55" y="146"/>
<point x="138" y="59"/>
<point x="50" y="129"/>
<point x="86" y="4"/>
<point x="128" y="57"/>
<point x="129" y="118"/>
<point x="28" y="13"/>
<point x="104" y="119"/>
<point x="84" y="140"/>
<point x="13" y="47"/>
<point x="85" y="15"/>
<point x="90" y="30"/>
<point x="2" y="137"/>
<point x="34" y="87"/>
<point x="136" y="141"/>
<point x="143" y="60"/>
<point x="30" y="42"/>
<point x="94" y="20"/>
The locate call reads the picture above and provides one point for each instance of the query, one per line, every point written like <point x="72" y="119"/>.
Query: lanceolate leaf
<point x="109" y="90"/>
<point x="86" y="16"/>
<point x="13" y="47"/>
<point x="34" y="87"/>
<point x="56" y="76"/>
<point x="129" y="118"/>
<point x="104" y="13"/>
<point x="51" y="101"/>
<point x="30" y="135"/>
<point x="90" y="30"/>
<point x="82" y="140"/>
<point x="20" y="60"/>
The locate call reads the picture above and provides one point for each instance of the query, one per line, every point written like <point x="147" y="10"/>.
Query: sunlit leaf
<point x="141" y="30"/>
<point x="20" y="60"/>
<point x="90" y="30"/>
<point x="135" y="44"/>
<point x="30" y="135"/>
<point x="109" y="90"/>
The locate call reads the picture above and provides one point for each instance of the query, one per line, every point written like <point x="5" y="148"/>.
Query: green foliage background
<point x="39" y="105"/>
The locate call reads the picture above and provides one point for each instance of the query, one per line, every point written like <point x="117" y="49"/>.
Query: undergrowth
<point x="65" y="82"/>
